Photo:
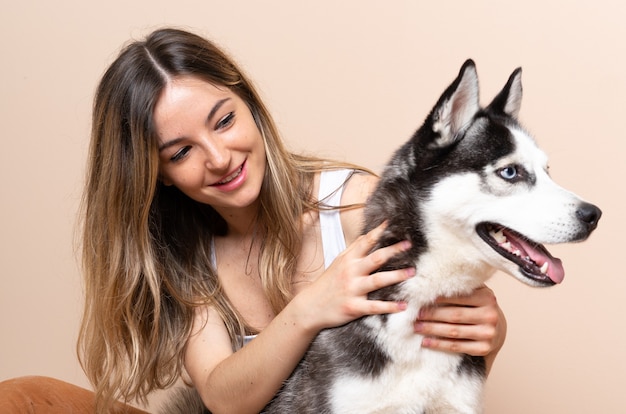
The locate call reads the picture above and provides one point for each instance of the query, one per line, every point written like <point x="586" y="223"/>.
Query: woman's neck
<point x="241" y="222"/>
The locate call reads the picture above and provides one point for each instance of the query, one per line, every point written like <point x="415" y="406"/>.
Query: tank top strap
<point x="331" y="188"/>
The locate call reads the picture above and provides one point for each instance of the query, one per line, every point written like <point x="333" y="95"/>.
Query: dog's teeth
<point x="506" y="246"/>
<point x="544" y="268"/>
<point x="517" y="253"/>
<point x="498" y="236"/>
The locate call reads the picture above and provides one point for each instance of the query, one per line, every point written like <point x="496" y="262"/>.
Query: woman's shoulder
<point x="356" y="191"/>
<point x="358" y="188"/>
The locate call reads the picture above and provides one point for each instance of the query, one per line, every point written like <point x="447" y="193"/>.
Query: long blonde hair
<point x="146" y="248"/>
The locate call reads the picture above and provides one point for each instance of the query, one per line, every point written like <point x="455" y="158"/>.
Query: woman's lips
<point x="231" y="177"/>
<point x="233" y="180"/>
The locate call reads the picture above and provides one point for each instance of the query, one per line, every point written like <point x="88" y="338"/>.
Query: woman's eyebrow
<point x="212" y="113"/>
<point x="169" y="143"/>
<point x="216" y="107"/>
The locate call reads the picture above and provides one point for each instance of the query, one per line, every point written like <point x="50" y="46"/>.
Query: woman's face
<point x="210" y="148"/>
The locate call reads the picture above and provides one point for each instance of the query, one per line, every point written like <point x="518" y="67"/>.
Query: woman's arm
<point x="243" y="381"/>
<point x="246" y="380"/>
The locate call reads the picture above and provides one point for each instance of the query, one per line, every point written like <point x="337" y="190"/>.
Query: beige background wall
<point x="352" y="80"/>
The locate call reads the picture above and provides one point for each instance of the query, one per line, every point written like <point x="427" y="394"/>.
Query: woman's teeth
<point x="231" y="177"/>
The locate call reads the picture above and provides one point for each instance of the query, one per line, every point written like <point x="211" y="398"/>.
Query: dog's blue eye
<point x="508" y="173"/>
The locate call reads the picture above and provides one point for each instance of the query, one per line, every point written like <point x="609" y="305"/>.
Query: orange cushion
<point x="44" y="395"/>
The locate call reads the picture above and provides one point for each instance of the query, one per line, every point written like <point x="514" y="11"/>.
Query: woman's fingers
<point x="367" y="241"/>
<point x="475" y="340"/>
<point x="379" y="257"/>
<point x="374" y="260"/>
<point x="373" y="307"/>
<point x="460" y="314"/>
<point x="456" y="331"/>
<point x="471" y="324"/>
<point x="379" y="280"/>
<point x="475" y="348"/>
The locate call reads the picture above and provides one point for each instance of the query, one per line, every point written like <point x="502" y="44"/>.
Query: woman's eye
<point x="180" y="154"/>
<point x="509" y="173"/>
<point x="225" y="121"/>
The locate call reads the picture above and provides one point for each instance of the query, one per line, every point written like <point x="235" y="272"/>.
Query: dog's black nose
<point x="589" y="214"/>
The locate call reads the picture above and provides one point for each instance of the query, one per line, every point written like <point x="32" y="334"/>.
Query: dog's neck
<point x="444" y="273"/>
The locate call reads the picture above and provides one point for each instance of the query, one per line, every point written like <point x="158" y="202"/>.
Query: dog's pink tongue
<point x="556" y="272"/>
<point x="540" y="256"/>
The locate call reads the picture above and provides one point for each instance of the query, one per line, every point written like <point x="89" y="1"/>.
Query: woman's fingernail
<point x="410" y="272"/>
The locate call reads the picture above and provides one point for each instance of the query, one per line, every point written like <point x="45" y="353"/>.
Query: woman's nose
<point x="217" y="154"/>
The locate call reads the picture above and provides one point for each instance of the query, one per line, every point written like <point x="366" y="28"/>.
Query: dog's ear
<point x="509" y="100"/>
<point x="456" y="106"/>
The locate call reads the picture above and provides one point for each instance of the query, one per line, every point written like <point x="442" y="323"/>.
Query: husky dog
<point x="471" y="191"/>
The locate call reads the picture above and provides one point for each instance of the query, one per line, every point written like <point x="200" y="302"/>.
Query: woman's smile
<point x="233" y="180"/>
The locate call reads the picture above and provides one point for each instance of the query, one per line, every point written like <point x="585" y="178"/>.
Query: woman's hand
<point x="473" y="324"/>
<point x="339" y="295"/>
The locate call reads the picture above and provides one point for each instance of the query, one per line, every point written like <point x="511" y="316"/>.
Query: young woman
<point x="202" y="231"/>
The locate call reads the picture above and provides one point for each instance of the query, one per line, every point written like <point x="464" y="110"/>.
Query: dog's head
<point x="480" y="182"/>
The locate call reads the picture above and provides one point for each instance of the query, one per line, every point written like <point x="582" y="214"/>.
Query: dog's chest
<point x="414" y="380"/>
<point x="434" y="387"/>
